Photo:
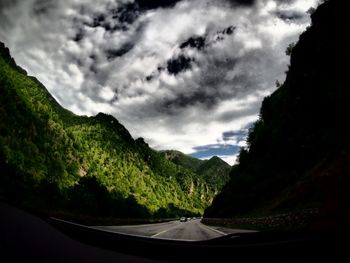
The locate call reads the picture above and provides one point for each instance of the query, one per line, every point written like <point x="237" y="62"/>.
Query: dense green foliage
<point x="214" y="171"/>
<point x="299" y="150"/>
<point x="53" y="159"/>
<point x="182" y="159"/>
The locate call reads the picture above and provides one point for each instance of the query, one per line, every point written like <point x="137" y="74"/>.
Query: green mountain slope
<point x="214" y="171"/>
<point x="53" y="159"/>
<point x="299" y="150"/>
<point x="182" y="159"/>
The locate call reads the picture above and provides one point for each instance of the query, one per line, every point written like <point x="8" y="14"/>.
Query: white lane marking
<point x="215" y="230"/>
<point x="100" y="228"/>
<point x="178" y="239"/>
<point x="116" y="232"/>
<point x="144" y="225"/>
<point x="95" y="227"/>
<point x="68" y="222"/>
<point x="164" y="231"/>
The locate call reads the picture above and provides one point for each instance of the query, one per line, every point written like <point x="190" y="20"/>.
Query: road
<point x="27" y="238"/>
<point x="192" y="230"/>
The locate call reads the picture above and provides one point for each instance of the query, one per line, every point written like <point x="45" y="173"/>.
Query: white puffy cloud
<point x="180" y="75"/>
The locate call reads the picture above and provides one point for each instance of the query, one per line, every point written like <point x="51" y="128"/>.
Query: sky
<point x="186" y="75"/>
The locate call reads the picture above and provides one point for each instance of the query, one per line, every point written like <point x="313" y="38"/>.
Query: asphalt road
<point x="192" y="230"/>
<point x="27" y="238"/>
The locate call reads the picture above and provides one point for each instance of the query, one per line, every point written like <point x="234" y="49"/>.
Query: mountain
<point x="298" y="151"/>
<point x="52" y="159"/>
<point x="182" y="159"/>
<point x="214" y="171"/>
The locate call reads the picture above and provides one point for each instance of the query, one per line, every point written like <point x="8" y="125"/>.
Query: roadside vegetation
<point x="298" y="152"/>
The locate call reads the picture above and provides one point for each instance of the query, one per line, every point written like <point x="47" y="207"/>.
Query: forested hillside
<point x="53" y="159"/>
<point x="214" y="171"/>
<point x="298" y="151"/>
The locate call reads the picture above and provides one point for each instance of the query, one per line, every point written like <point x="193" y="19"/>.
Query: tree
<point x="289" y="49"/>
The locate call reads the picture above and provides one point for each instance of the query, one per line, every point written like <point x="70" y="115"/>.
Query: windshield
<point x="175" y="130"/>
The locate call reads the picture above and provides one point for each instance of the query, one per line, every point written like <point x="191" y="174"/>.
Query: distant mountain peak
<point x="214" y="171"/>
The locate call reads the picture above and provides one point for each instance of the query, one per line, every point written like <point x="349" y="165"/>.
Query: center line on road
<point x="164" y="231"/>
<point x="217" y="231"/>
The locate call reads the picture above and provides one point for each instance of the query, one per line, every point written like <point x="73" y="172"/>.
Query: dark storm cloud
<point x="227" y="135"/>
<point x="194" y="42"/>
<point x="115" y="53"/>
<point x="241" y="2"/>
<point x="105" y="21"/>
<point x="289" y="15"/>
<point x="239" y="135"/>
<point x="182" y="101"/>
<point x="98" y="20"/>
<point x="236" y="114"/>
<point x="199" y="42"/>
<point x="182" y="63"/>
<point x="41" y="7"/>
<point x="213" y="87"/>
<point x="7" y="3"/>
<point x="229" y="30"/>
<point x="283" y="2"/>
<point x="156" y="73"/>
<point x="179" y="64"/>
<point x="154" y="4"/>
<point x="127" y="13"/>
<point x="79" y="35"/>
<point x="211" y="90"/>
<point x="233" y="114"/>
<point x="114" y="18"/>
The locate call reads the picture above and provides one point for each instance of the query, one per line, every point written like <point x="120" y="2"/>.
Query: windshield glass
<point x="179" y="124"/>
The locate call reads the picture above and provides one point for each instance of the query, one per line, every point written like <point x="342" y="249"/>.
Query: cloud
<point x="115" y="53"/>
<point x="241" y="2"/>
<point x="154" y="4"/>
<point x="178" y="64"/>
<point x="197" y="42"/>
<point x="185" y="75"/>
